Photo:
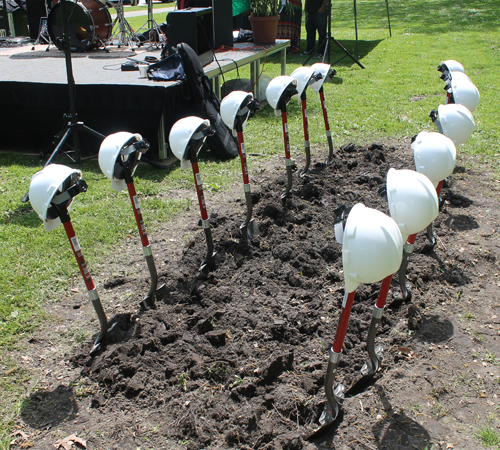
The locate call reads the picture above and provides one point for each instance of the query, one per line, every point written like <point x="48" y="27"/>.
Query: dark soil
<point x="236" y="358"/>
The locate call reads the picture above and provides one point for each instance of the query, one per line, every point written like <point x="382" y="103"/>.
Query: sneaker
<point x="308" y="52"/>
<point x="320" y="55"/>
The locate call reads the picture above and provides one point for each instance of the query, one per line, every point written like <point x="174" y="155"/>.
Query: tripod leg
<point x="346" y="53"/>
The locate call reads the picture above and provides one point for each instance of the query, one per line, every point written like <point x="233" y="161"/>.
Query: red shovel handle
<point x="345" y="313"/>
<point x="439" y="187"/>
<point x="304" y="119"/>
<point x="199" y="190"/>
<point x="243" y="158"/>
<point x="138" y="214"/>
<point x="75" y="245"/>
<point x="323" y="107"/>
<point x="286" y="137"/>
<point x="384" y="290"/>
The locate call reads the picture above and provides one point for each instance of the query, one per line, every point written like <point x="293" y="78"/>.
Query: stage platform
<point x="34" y="94"/>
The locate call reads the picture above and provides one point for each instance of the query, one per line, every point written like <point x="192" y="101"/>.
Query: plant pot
<point x="264" y="29"/>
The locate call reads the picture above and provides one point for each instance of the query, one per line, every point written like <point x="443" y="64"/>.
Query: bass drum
<point x="89" y="24"/>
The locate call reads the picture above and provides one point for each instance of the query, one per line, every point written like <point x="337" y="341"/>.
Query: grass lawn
<point x="389" y="100"/>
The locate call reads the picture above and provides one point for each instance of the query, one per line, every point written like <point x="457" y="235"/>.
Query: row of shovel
<point x="374" y="245"/>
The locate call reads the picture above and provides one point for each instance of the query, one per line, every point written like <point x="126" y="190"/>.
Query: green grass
<point x="489" y="438"/>
<point x="389" y="100"/>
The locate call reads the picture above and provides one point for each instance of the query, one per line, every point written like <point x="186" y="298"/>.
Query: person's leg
<point x="321" y="22"/>
<point x="310" y="33"/>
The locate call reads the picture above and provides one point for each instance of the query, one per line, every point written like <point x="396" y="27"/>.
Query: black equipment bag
<point x="223" y="145"/>
<point x="169" y="69"/>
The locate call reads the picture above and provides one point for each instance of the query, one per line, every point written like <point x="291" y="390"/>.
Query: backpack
<point x="222" y="144"/>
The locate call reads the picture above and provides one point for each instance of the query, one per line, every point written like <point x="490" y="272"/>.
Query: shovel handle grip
<point x="75" y="245"/>
<point x="286" y="136"/>
<point x="345" y="313"/>
<point x="138" y="215"/>
<point x="243" y="158"/>
<point x="199" y="190"/>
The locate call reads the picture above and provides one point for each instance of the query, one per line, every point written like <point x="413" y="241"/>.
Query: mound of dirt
<point x="236" y="358"/>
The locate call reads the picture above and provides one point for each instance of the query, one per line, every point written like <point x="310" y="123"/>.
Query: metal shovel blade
<point x="249" y="228"/>
<point x="208" y="264"/>
<point x="430" y="235"/>
<point x="330" y="414"/>
<point x="150" y="300"/>
<point x="402" y="277"/>
<point x="286" y="194"/>
<point x="155" y="293"/>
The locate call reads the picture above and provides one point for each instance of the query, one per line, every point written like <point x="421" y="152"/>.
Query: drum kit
<point x="89" y="24"/>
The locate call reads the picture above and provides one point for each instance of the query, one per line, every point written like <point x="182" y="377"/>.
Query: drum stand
<point x="43" y="34"/>
<point x="72" y="126"/>
<point x="151" y="26"/>
<point x="124" y="33"/>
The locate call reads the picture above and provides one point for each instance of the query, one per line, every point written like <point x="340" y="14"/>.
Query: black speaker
<point x="223" y="23"/>
<point x="194" y="26"/>
<point x="222" y="20"/>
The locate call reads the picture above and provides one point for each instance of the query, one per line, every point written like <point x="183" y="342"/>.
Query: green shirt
<point x="240" y="6"/>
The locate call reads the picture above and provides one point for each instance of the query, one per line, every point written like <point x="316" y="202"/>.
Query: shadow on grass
<point x="46" y="409"/>
<point x="337" y="55"/>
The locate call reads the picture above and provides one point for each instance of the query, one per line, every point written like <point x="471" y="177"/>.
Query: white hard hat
<point x="412" y="198"/>
<point x="372" y="247"/>
<point x="451" y="65"/>
<point x="463" y="92"/>
<point x="322" y="70"/>
<point x="52" y="180"/>
<point x="455" y="121"/>
<point x="183" y="138"/>
<point x="455" y="75"/>
<point x="435" y="155"/>
<point x="282" y="87"/>
<point x="303" y="76"/>
<point x="232" y="104"/>
<point x="116" y="146"/>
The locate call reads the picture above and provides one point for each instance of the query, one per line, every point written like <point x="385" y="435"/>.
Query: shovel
<point x="323" y="73"/>
<point x="335" y="396"/>
<point x="155" y="293"/>
<point x="60" y="202"/>
<point x="371" y="249"/>
<point x="123" y="167"/>
<point x="249" y="228"/>
<point x="208" y="264"/>
<point x="375" y="354"/>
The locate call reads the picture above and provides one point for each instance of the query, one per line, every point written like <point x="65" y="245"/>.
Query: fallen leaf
<point x="20" y="433"/>
<point x="67" y="442"/>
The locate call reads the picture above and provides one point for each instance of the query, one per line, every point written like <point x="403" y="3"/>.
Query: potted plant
<point x="264" y="20"/>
